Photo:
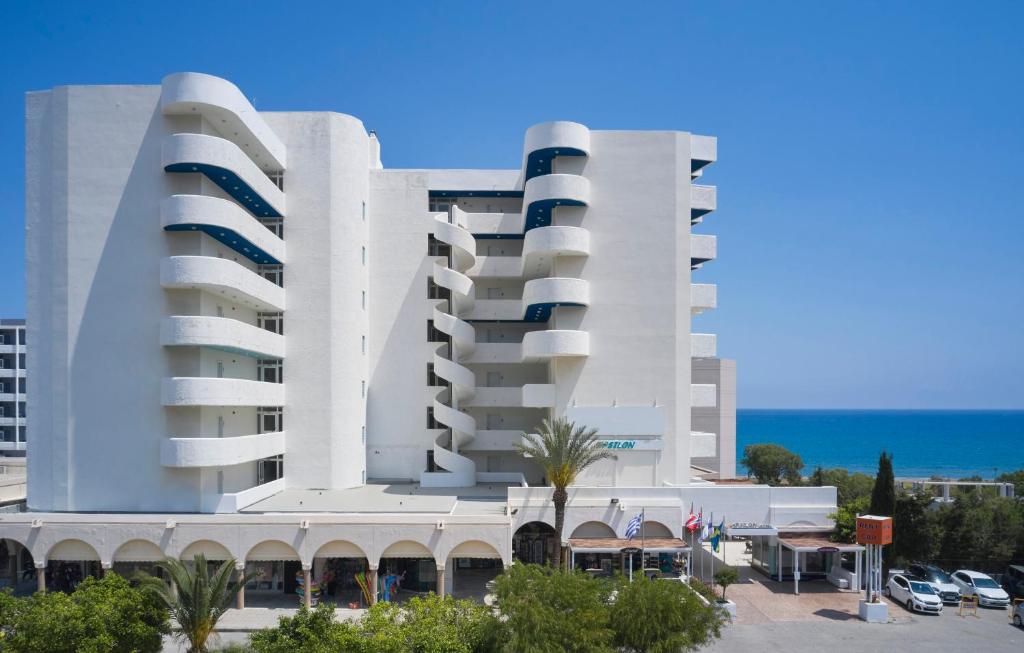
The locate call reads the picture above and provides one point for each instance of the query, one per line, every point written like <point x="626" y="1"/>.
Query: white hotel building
<point x="251" y="339"/>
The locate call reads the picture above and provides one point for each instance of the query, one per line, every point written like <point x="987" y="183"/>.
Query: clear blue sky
<point x="871" y="154"/>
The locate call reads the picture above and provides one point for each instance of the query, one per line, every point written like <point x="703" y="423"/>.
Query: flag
<point x="691" y="521"/>
<point x="716" y="534"/>
<point x="705" y="531"/>
<point x="633" y="527"/>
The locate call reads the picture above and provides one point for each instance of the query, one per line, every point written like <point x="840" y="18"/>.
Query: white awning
<point x="72" y="550"/>
<point x="407" y="549"/>
<point x="138" y="551"/>
<point x="474" y="549"/>
<point x="340" y="549"/>
<point x="750" y="530"/>
<point x="271" y="550"/>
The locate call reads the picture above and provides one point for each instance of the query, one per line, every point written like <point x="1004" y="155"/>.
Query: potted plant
<point x="725" y="577"/>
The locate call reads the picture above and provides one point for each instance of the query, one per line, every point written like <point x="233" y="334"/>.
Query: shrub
<point x="662" y="616"/>
<point x="101" y="616"/>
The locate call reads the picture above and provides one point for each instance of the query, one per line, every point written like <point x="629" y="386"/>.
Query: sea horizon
<point x="948" y="442"/>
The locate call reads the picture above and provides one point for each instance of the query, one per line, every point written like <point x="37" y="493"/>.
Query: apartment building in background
<point x="251" y="339"/>
<point x="13" y="380"/>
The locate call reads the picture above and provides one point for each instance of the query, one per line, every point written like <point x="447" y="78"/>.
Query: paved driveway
<point x="760" y="601"/>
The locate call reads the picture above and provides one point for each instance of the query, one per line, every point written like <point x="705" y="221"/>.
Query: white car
<point x="974" y="583"/>
<point x="939" y="580"/>
<point x="1018" y="615"/>
<point x="914" y="593"/>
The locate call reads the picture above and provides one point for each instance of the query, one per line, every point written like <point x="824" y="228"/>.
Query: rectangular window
<point x="364" y="344"/>
<point x="364" y="256"/>
<point x="364" y="435"/>
<point x="364" y="389"/>
<point x="364" y="300"/>
<point x="364" y="211"/>
<point x="435" y="291"/>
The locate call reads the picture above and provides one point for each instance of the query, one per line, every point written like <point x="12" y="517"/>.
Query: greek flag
<point x="634" y="526"/>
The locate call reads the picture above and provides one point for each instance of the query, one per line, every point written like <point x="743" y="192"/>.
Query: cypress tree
<point x="883" y="495"/>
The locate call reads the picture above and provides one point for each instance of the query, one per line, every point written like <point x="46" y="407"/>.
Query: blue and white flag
<point x="633" y="527"/>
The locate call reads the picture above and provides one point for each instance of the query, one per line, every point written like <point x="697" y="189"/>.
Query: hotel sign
<point x="630" y="445"/>
<point x="874" y="530"/>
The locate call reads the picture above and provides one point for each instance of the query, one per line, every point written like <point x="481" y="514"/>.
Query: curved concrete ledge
<point x="547" y="140"/>
<point x="226" y="108"/>
<point x="543" y="194"/>
<point x="208" y="391"/>
<point x="226" y="165"/>
<point x="220" y="452"/>
<point x="462" y="242"/>
<point x="539" y="345"/>
<point x="555" y="291"/>
<point x="226" y="222"/>
<point x="221" y="333"/>
<point x="222" y="277"/>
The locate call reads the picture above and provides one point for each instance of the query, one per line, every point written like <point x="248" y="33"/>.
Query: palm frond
<point x="563" y="450"/>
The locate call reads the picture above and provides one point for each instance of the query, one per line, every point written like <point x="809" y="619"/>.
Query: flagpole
<point x="712" y="548"/>
<point x="643" y="519"/>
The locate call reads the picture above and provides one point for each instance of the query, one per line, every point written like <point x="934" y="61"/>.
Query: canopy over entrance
<point x="817" y="546"/>
<point x="616" y="545"/>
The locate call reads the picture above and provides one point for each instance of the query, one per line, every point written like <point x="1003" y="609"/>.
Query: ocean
<point x="948" y="443"/>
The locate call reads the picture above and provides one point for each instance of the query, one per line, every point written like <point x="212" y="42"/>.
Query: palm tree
<point x="563" y="450"/>
<point x="198" y="599"/>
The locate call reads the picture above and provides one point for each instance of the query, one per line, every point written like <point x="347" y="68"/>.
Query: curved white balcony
<point x="455" y="234"/>
<point x="220" y="452"/>
<point x="221" y="277"/>
<point x="209" y="391"/>
<point x="221" y="333"/>
<point x="703" y="297"/>
<point x="703" y="150"/>
<point x="541" y="295"/>
<point x="541" y="345"/>
<point x="540" y="247"/>
<point x="225" y="107"/>
<point x="226" y="165"/>
<point x="703" y="248"/>
<point x="548" y="140"/>
<point x="224" y="221"/>
<point x="543" y="194"/>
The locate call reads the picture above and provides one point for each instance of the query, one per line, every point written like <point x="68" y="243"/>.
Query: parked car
<point x="975" y="583"/>
<point x="1018" y="615"/>
<point x="1013" y="581"/>
<point x="914" y="593"/>
<point x="940" y="581"/>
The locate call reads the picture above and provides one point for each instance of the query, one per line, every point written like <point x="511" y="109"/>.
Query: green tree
<point x="981" y="531"/>
<point x="725" y="577"/>
<point x="883" y="495"/>
<point x="846" y="519"/>
<point x="771" y="463"/>
<point x="657" y="616"/>
<point x="915" y="531"/>
<point x="101" y="616"/>
<point x="1017" y="478"/>
<point x="199" y="599"/>
<point x="849" y="487"/>
<point x="546" y="610"/>
<point x="562" y="450"/>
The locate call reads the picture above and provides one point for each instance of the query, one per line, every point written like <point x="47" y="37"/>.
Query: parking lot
<point x="839" y="632"/>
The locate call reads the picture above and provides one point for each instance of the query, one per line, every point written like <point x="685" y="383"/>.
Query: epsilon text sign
<point x="874" y="530"/>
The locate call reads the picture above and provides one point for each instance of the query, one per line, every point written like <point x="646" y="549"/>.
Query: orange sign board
<point x="874" y="530"/>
